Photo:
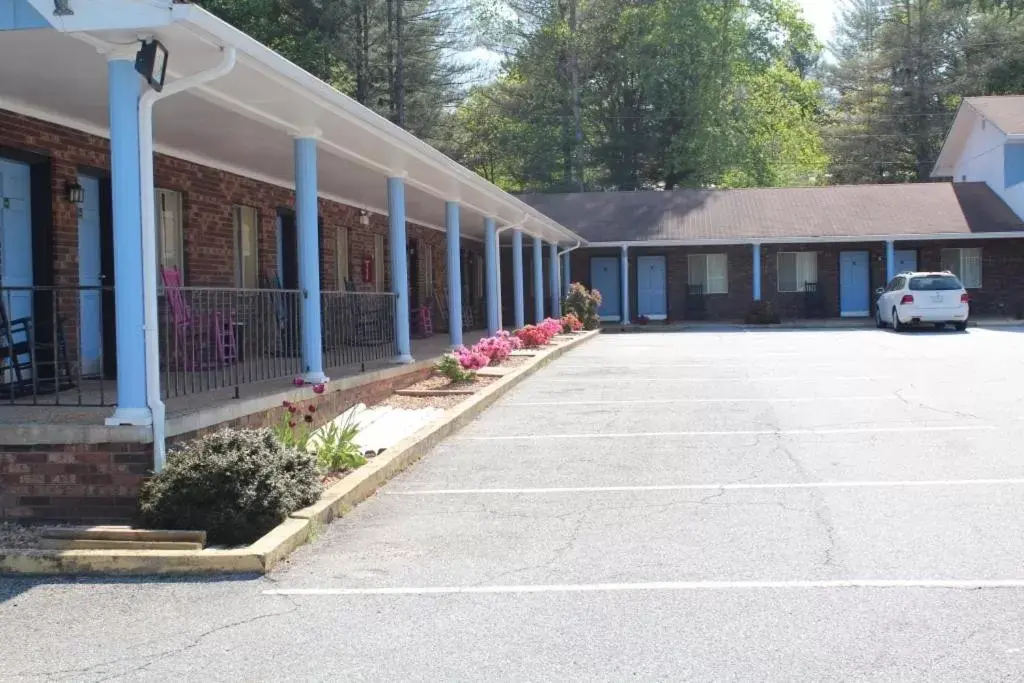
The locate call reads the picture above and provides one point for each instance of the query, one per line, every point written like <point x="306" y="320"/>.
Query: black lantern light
<point x="151" y="62"/>
<point x="76" y="194"/>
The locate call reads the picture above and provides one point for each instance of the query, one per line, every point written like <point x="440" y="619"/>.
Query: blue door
<point x="90" y="276"/>
<point x="906" y="260"/>
<point x="15" y="238"/>
<point x="651" y="300"/>
<point x="854" y="281"/>
<point x="604" y="277"/>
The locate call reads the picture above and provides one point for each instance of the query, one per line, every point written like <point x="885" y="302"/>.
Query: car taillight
<point x="965" y="298"/>
<point x="907" y="299"/>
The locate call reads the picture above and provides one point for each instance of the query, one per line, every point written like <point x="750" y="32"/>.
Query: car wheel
<point x="961" y="327"/>
<point x="878" y="319"/>
<point x="897" y="326"/>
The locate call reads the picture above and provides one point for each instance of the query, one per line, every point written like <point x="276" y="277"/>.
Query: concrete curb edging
<point x="295" y="531"/>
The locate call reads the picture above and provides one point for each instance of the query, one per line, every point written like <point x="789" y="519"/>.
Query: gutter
<point x="149" y="254"/>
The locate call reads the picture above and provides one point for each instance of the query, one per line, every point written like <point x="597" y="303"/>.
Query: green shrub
<point x="450" y="366"/>
<point x="336" y="449"/>
<point x="236" y="484"/>
<point x="762" y="313"/>
<point x="583" y="303"/>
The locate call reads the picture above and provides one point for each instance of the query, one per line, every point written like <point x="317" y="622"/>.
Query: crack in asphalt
<point x="898" y="393"/>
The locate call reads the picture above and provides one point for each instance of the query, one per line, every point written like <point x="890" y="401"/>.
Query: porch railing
<point x="217" y="338"/>
<point x="358" y="327"/>
<point x="52" y="346"/>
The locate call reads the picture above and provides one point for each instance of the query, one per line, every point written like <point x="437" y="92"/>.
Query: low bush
<point x="551" y="327"/>
<point x="532" y="336"/>
<point x="583" y="303"/>
<point x="336" y="448"/>
<point x="762" y="313"/>
<point x="450" y="367"/>
<point x="236" y="484"/>
<point x="471" y="359"/>
<point x="570" y="323"/>
<point x="496" y="348"/>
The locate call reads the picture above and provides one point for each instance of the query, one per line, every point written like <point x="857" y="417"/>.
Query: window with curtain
<point x="797" y="268"/>
<point x="341" y="254"/>
<point x="169" y="233"/>
<point x="965" y="264"/>
<point x="247" y="268"/>
<point x="710" y="271"/>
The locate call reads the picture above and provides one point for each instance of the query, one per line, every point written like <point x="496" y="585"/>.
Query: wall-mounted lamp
<point x="76" y="194"/>
<point x="364" y="217"/>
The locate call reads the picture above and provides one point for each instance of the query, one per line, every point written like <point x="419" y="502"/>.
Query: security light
<point x="151" y="62"/>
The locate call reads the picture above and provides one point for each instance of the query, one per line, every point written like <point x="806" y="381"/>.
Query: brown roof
<point x="1006" y="111"/>
<point x="765" y="213"/>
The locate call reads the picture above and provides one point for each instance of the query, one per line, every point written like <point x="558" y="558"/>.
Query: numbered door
<point x="651" y="299"/>
<point x="906" y="260"/>
<point x="854" y="282"/>
<point x="15" y="239"/>
<point x="604" y="277"/>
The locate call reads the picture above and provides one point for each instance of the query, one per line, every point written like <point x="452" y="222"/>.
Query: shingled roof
<point x="1006" y="111"/>
<point x="763" y="214"/>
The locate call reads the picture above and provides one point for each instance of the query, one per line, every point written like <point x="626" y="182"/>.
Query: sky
<point x="820" y="14"/>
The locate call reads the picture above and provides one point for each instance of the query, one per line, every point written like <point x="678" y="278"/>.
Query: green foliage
<point x="236" y="484"/>
<point x="336" y="449"/>
<point x="450" y="367"/>
<point x="583" y="303"/>
<point x="295" y="427"/>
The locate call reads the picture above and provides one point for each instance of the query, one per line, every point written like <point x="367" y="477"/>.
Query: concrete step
<point x="97" y="544"/>
<point x="123" y="533"/>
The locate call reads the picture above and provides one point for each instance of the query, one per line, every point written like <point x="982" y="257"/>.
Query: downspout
<point x="149" y="254"/>
<point x="573" y="248"/>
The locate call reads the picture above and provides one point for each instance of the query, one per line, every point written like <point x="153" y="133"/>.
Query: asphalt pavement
<point x="720" y="505"/>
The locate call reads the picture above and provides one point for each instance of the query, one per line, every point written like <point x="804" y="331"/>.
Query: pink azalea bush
<point x="532" y="336"/>
<point x="496" y="348"/>
<point x="471" y="359"/>
<point x="551" y="327"/>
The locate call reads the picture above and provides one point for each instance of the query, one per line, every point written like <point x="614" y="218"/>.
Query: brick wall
<point x="100" y="483"/>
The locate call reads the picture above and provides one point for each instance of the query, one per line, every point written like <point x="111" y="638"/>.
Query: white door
<point x="90" y="278"/>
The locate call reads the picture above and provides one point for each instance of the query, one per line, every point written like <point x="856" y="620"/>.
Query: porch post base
<point x="404" y="359"/>
<point x="315" y="378"/>
<point x="130" y="417"/>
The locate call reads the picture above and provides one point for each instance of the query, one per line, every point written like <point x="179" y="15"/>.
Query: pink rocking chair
<point x="195" y="335"/>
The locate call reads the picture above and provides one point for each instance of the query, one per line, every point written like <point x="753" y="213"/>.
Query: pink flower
<point x="299" y="382"/>
<point x="318" y="388"/>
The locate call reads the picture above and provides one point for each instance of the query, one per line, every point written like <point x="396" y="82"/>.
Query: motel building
<point x="193" y="229"/>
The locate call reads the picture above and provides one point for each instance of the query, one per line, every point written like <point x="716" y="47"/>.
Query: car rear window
<point x="934" y="283"/>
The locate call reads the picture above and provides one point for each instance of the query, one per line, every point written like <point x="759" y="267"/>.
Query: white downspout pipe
<point x="149" y="253"/>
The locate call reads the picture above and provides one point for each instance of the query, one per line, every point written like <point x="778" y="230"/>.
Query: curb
<point x="295" y="531"/>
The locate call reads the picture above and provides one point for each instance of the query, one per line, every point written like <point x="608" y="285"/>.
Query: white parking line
<point x="634" y="378"/>
<point x="742" y="399"/>
<point x="711" y="487"/>
<point x="736" y="432"/>
<point x="942" y="584"/>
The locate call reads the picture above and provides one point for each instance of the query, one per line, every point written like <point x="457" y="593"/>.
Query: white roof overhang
<point x="244" y="121"/>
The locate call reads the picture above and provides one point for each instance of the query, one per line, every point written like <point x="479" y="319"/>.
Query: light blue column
<point x="491" y="272"/>
<point x="566" y="281"/>
<point x="123" y="92"/>
<point x="451" y="212"/>
<point x="399" y="266"/>
<point x="756" y="255"/>
<point x="538" y="280"/>
<point x="306" y="223"/>
<point x="517" y="277"/>
<point x="556" y="298"/>
<point x="625" y="284"/>
<point x="890" y="261"/>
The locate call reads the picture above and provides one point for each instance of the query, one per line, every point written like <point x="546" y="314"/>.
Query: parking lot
<point x="722" y="505"/>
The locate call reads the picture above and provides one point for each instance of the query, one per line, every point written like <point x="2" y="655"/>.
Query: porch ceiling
<point x="244" y="122"/>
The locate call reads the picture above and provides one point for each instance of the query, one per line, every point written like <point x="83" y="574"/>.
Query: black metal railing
<point x="358" y="327"/>
<point x="814" y="301"/>
<point x="216" y="338"/>
<point x="696" y="305"/>
<point x="52" y="346"/>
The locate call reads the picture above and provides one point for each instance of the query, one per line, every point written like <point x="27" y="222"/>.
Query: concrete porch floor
<point x="48" y="422"/>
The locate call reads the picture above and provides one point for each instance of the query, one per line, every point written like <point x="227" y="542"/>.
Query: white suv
<point x="916" y="298"/>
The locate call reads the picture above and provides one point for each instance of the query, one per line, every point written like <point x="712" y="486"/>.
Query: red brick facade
<point x="1001" y="293"/>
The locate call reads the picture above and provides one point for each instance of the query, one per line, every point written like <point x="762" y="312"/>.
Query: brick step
<point x="122" y="533"/>
<point x="104" y="544"/>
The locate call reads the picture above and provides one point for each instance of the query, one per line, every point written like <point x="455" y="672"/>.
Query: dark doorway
<point x="287" y="249"/>
<point x="413" y="256"/>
